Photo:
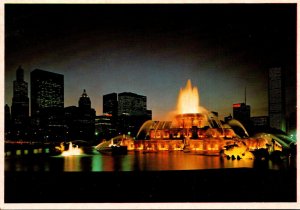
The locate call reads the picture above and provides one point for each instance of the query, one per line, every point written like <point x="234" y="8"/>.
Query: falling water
<point x="72" y="151"/>
<point x="237" y="123"/>
<point x="145" y="127"/>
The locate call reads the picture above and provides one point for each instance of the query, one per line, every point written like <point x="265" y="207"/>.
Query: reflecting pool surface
<point x="136" y="161"/>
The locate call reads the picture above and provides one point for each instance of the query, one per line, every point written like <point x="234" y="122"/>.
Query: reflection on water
<point x="71" y="163"/>
<point x="136" y="161"/>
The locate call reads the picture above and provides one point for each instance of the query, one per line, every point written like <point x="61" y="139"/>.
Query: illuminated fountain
<point x="236" y="123"/>
<point x="116" y="145"/>
<point x="72" y="150"/>
<point x="188" y="118"/>
<point x="193" y="128"/>
<point x="188" y="99"/>
<point x="189" y="112"/>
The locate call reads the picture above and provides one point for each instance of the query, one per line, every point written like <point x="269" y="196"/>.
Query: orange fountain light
<point x="188" y="99"/>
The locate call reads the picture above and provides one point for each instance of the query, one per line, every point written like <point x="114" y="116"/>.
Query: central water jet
<point x="189" y="113"/>
<point x="188" y="99"/>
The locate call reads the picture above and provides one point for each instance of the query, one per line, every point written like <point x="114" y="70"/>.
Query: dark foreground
<point x="215" y="185"/>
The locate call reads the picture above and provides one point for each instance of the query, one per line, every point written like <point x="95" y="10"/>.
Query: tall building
<point x="84" y="101"/>
<point x="110" y="107"/>
<point x="107" y="124"/>
<point x="241" y="112"/>
<point x="104" y="129"/>
<point x="132" y="112"/>
<point x="260" y="123"/>
<point x="131" y="104"/>
<point x="110" y="104"/>
<point x="20" y="105"/>
<point x="47" y="104"/>
<point x="7" y="120"/>
<point x="276" y="99"/>
<point x="47" y="90"/>
<point x="80" y="121"/>
<point x="86" y="118"/>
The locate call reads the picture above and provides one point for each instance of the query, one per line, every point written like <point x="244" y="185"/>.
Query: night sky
<point x="153" y="50"/>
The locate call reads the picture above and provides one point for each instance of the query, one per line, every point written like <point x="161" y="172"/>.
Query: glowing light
<point x="236" y="105"/>
<point x="188" y="99"/>
<point x="72" y="151"/>
<point x="239" y="149"/>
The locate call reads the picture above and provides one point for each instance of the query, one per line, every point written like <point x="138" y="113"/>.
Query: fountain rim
<point x="189" y="115"/>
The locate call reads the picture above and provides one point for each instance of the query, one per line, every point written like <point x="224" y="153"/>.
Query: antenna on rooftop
<point x="245" y="95"/>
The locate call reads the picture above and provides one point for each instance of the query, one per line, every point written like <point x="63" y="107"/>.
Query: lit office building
<point x="20" y="105"/>
<point x="131" y="104"/>
<point x="276" y="99"/>
<point x="132" y="112"/>
<point x="47" y="104"/>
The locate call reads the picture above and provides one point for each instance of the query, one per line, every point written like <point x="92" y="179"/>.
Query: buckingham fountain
<point x="193" y="128"/>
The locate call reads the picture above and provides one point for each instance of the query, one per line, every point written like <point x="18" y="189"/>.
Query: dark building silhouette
<point x="107" y="123"/>
<point x="20" y="106"/>
<point x="7" y="126"/>
<point x="260" y="123"/>
<point x="84" y="102"/>
<point x="47" y="105"/>
<point x="276" y="99"/>
<point x="71" y="116"/>
<point x="148" y="114"/>
<point x="80" y="121"/>
<point x="104" y="127"/>
<point x="86" y="118"/>
<point x="241" y="112"/>
<point x="132" y="112"/>
<point x="110" y="104"/>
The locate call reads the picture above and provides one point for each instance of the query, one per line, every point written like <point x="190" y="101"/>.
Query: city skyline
<point x="124" y="48"/>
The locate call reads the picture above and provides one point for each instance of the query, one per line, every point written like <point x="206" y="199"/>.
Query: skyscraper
<point x="132" y="112"/>
<point x="47" y="102"/>
<point x="276" y="99"/>
<point x="107" y="124"/>
<point x="7" y="122"/>
<point x="47" y="90"/>
<point x="84" y="101"/>
<point x="80" y="121"/>
<point x="110" y="104"/>
<point x="241" y="112"/>
<point x="131" y="104"/>
<point x="86" y="118"/>
<point x="20" y="104"/>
